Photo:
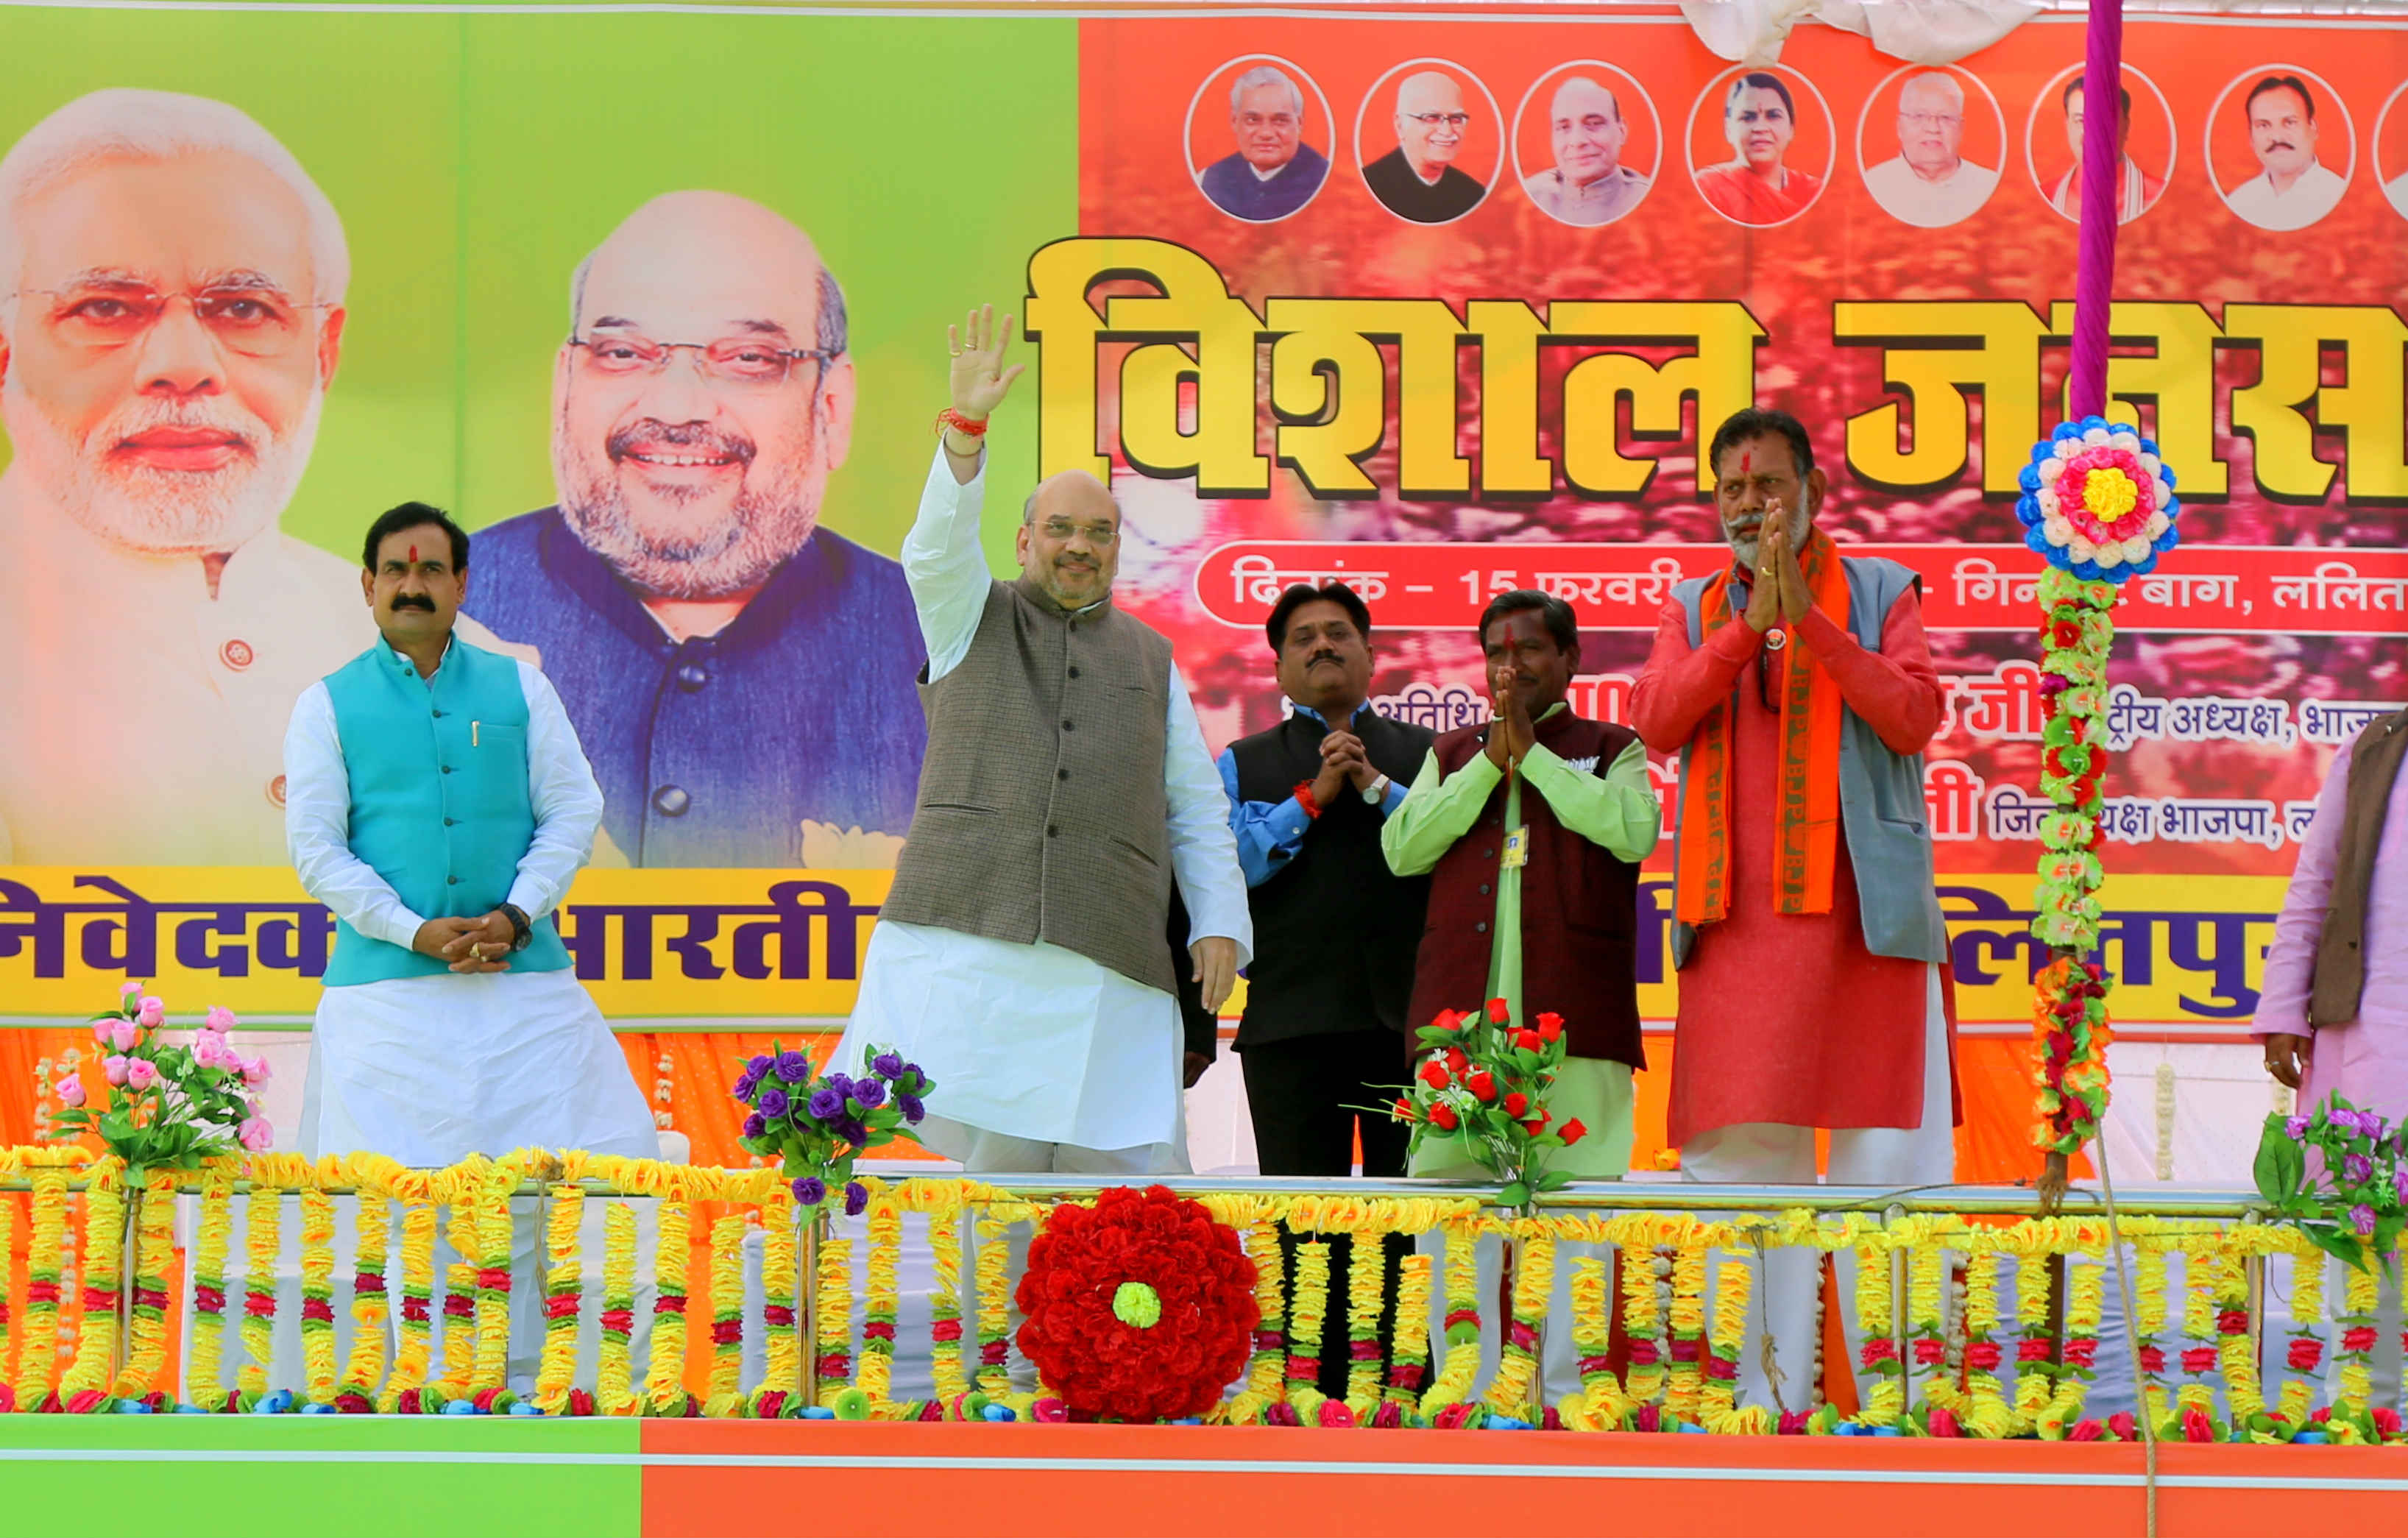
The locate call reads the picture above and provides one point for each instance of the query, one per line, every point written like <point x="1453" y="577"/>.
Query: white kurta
<point x="145" y="710"/>
<point x="431" y="1068"/>
<point x="1929" y="205"/>
<point x="2294" y="208"/>
<point x="1037" y="1042"/>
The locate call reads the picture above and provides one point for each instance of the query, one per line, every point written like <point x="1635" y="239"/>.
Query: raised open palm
<point x="980" y="381"/>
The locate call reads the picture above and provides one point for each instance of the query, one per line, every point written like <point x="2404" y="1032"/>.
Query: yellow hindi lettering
<point x="1720" y="373"/>
<point x="1186" y="392"/>
<point x="1510" y="333"/>
<point x="2364" y="406"/>
<point x="2180" y="378"/>
<point x="1329" y="389"/>
<point x="1936" y="354"/>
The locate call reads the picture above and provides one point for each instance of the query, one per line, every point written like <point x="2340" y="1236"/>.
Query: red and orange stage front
<point x="268" y="1477"/>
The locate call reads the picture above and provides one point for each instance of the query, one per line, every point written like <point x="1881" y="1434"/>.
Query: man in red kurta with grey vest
<point x="1798" y="690"/>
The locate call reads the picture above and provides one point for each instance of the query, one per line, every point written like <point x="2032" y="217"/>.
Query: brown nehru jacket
<point x="1042" y="814"/>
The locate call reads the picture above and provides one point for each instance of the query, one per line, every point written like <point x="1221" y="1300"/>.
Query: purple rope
<point x="2102" y="197"/>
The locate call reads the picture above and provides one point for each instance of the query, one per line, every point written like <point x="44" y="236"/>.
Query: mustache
<point x="206" y="415"/>
<point x="405" y="601"/>
<point x="651" y="433"/>
<point x="1321" y="656"/>
<point x="2279" y="144"/>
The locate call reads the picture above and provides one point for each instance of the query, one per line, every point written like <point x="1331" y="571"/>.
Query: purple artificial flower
<point x="917" y="1077"/>
<point x="840" y="1082"/>
<point x="2357" y="1169"/>
<point x="772" y="1103"/>
<point x="2349" y="1121"/>
<point x="2295" y="1126"/>
<point x="746" y="1083"/>
<point x="755" y="1125"/>
<point x="888" y="1064"/>
<point x="913" y="1110"/>
<point x="871" y="1093"/>
<point x="2400" y="1184"/>
<point x="852" y="1131"/>
<point x="2362" y="1218"/>
<point x="825" y="1104"/>
<point x="794" y="1068"/>
<point x="759" y="1067"/>
<point x="856" y="1197"/>
<point x="811" y="1190"/>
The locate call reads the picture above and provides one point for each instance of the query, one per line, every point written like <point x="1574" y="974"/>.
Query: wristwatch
<point x="1377" y="791"/>
<point x="521" y="930"/>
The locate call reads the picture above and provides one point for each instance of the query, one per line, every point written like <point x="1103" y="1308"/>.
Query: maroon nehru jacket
<point x="1579" y="907"/>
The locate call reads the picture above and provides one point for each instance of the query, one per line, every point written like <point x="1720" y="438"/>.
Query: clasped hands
<point x="1507" y="747"/>
<point x="1779" y="592"/>
<point x="468" y="944"/>
<point x="1343" y="762"/>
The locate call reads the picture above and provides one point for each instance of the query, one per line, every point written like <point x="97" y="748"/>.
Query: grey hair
<point x="831" y="324"/>
<point x="1262" y="75"/>
<point x="1028" y="508"/>
<point x="122" y="124"/>
<point x="1939" y="78"/>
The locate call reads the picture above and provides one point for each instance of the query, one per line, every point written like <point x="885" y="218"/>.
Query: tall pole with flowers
<point x="2100" y="506"/>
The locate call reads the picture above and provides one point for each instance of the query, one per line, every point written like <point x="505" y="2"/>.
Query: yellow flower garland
<point x="493" y="1277"/>
<point x="1460" y="1367"/>
<point x="460" y="1298"/>
<point x="263" y="1246"/>
<point x="2307" y="1312"/>
<point x="1926" y="1320"/>
<point x="1366" y="1293"/>
<point x="993" y="1304"/>
<point x="2035" y="1390"/>
<point x="1877" y="1320"/>
<point x="726" y="1273"/>
<point x="317" y="1296"/>
<point x="2201" y="1270"/>
<point x="415" y="1354"/>
<point x="614" y="1368"/>
<point x="1517" y="1361"/>
<point x="1988" y="1414"/>
<point x="2236" y="1352"/>
<point x="1600" y="1403"/>
<point x="2149" y="1320"/>
<point x="1309" y="1305"/>
<point x="1686" y="1322"/>
<point x="1410" y="1356"/>
<point x="564" y="1293"/>
<point x="371" y="1296"/>
<point x="1266" y="1369"/>
<point x="1718" y="1409"/>
<point x="146" y="1361"/>
<point x="1642" y="1321"/>
<point x="879" y="1301"/>
<point x="103" y="1207"/>
<point x="7" y="1341"/>
<point x="835" y="1344"/>
<point x="2360" y="1297"/>
<point x="664" y="1386"/>
<point x="945" y="1308"/>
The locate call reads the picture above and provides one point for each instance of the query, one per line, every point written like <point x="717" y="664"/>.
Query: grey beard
<point x="763" y="532"/>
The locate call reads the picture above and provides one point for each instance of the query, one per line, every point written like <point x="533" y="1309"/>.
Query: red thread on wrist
<point x="960" y="423"/>
<point x="1304" y="799"/>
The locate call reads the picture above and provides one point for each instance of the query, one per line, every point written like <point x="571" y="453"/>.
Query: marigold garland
<point x="371" y="1304"/>
<point x="614" y="1368"/>
<point x="1926" y="1323"/>
<point x="1686" y="1320"/>
<point x="2038" y="1380"/>
<point x="2306" y="1351"/>
<point x="1367" y="1294"/>
<point x="7" y="1341"/>
<point x="2352" y="1383"/>
<point x="460" y="1299"/>
<point x="1409" y="1360"/>
<point x="87" y="1379"/>
<point x="1308" y="1306"/>
<point x="1461" y="1326"/>
<point x="1267" y="1368"/>
<point x="1988" y="1414"/>
<point x="945" y="1309"/>
<point x="879" y="1303"/>
<point x="727" y="1274"/>
<point x="664" y="1391"/>
<point x="263" y="1245"/>
<point x="2199" y="1357"/>
<point x="1600" y="1403"/>
<point x="782" y="1375"/>
<point x="1876" y="1329"/>
<point x="154" y="1251"/>
<point x="834" y="1363"/>
<point x="1642" y="1321"/>
<point x="318" y="1296"/>
<point x="1718" y="1409"/>
<point x="993" y="1304"/>
<point x="494" y="1278"/>
<point x="2236" y="1349"/>
<point x="2148" y="1323"/>
<point x="1517" y="1360"/>
<point x="563" y="1297"/>
<point x="414" y="1355"/>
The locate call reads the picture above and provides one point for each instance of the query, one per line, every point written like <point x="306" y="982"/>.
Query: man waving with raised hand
<point x="1020" y="955"/>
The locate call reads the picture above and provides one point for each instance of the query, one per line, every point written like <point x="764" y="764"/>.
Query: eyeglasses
<point x="1931" y="120"/>
<point x="1431" y="120"/>
<point x="256" y="320"/>
<point x="750" y="364"/>
<point x="1098" y="533"/>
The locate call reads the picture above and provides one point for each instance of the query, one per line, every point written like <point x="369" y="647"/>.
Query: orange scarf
<point x="1807" y="789"/>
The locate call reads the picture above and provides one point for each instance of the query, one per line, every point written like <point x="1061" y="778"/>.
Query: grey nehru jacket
<point x="1042" y="814"/>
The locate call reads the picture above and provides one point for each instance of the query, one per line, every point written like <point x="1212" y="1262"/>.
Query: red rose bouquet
<point x="1138" y="1308"/>
<point x="1486" y="1081"/>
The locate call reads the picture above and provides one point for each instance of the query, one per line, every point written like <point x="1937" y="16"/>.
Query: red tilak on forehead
<point x="1746" y="460"/>
<point x="413" y="555"/>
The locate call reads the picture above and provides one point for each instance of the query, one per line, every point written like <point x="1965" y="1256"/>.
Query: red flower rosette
<point x="1140" y="1308"/>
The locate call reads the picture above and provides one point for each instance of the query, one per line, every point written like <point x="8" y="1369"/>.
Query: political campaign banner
<point x="1440" y="304"/>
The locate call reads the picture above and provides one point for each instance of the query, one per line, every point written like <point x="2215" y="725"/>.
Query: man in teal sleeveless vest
<point x="438" y="802"/>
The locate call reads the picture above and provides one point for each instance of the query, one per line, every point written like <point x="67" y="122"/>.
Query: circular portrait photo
<point x="1760" y="145"/>
<point x="2280" y="147"/>
<point x="2144" y="135"/>
<point x="1929" y="143"/>
<point x="1586" y="143"/>
<point x="1429" y="139"/>
<point x="1259" y="134"/>
<point x="2390" y="148"/>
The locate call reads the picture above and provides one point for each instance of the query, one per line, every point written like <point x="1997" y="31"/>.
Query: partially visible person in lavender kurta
<point x="2334" y="1012"/>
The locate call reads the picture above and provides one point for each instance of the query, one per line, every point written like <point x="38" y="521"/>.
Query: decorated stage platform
<point x="267" y="1477"/>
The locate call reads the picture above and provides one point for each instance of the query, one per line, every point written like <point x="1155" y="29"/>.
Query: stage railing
<point x="1965" y="1313"/>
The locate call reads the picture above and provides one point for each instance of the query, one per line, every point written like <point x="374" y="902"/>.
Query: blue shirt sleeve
<point x="1268" y="833"/>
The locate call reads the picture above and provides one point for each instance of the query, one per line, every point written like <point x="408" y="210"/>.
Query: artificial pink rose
<point x="210" y="1049"/>
<point x="104" y="1030"/>
<point x="254" y="1070"/>
<point x="221" y="1018"/>
<point x="154" y="1009"/>
<point x="127" y="990"/>
<point x="141" y="1073"/>
<point x="115" y="1067"/>
<point x="124" y="1034"/>
<point x="71" y="1091"/>
<point x="256" y="1134"/>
